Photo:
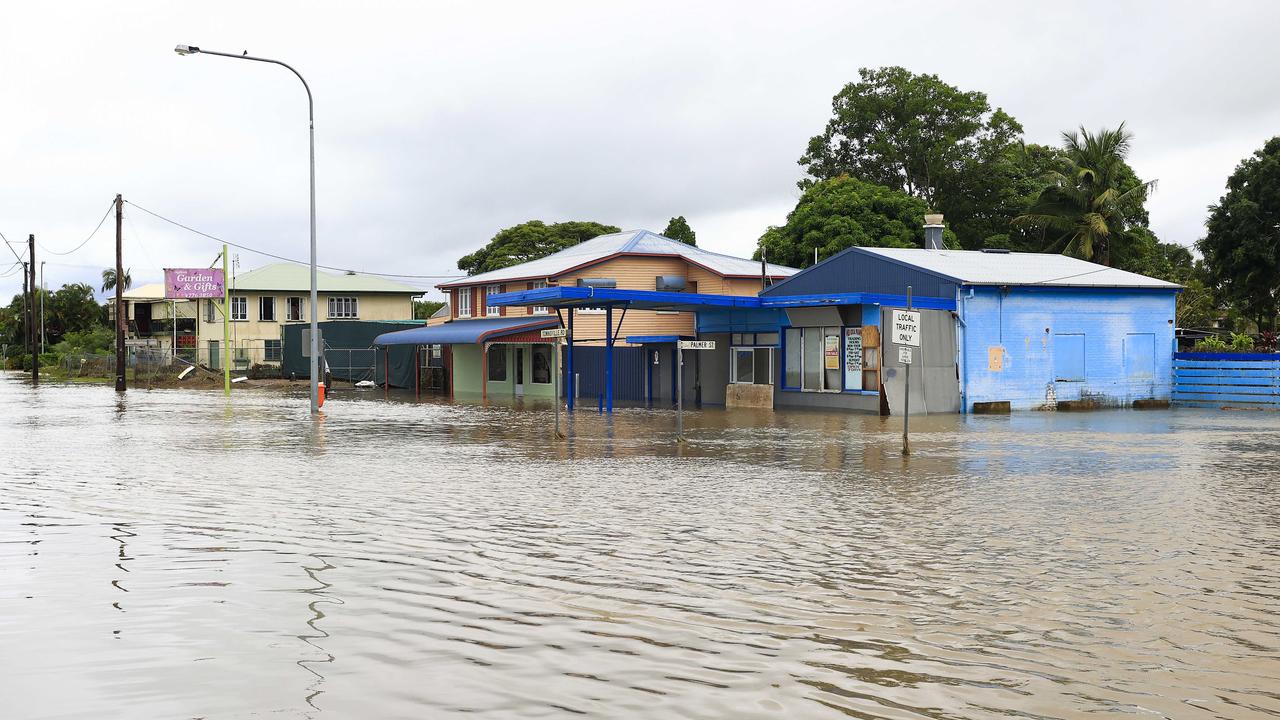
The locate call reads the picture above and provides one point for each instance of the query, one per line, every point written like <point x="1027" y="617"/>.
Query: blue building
<point x="1024" y="331"/>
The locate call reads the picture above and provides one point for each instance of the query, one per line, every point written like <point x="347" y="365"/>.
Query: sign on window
<point x="853" y="358"/>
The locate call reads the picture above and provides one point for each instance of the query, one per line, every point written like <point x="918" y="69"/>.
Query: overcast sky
<point x="440" y="123"/>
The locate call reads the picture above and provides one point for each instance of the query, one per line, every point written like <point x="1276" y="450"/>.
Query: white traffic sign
<point x="904" y="355"/>
<point x="555" y="333"/>
<point x="906" y="328"/>
<point x="697" y="344"/>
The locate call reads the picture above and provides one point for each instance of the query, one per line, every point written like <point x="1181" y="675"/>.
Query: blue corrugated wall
<point x="628" y="373"/>
<point x="1032" y="346"/>
<point x="1227" y="380"/>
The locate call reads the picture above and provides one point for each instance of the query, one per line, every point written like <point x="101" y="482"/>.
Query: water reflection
<point x="173" y="554"/>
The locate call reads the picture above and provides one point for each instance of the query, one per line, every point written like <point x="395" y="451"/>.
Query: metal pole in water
<point x="679" y="393"/>
<point x="226" y="326"/>
<point x="906" y="395"/>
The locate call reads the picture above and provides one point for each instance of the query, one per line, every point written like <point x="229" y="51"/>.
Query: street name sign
<point x="906" y="328"/>
<point x="697" y="344"/>
<point x="555" y="333"/>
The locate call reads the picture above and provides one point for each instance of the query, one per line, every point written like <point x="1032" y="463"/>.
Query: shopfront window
<point x="752" y="366"/>
<point x="542" y="356"/>
<point x="498" y="363"/>
<point x="813" y="359"/>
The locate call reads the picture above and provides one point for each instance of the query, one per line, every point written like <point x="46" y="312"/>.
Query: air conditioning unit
<point x="670" y="283"/>
<point x="597" y="282"/>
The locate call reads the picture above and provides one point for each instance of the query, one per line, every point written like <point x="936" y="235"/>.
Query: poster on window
<point x="853" y="358"/>
<point x="831" y="353"/>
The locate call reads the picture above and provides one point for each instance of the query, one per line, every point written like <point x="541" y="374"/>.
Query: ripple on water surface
<point x="166" y="554"/>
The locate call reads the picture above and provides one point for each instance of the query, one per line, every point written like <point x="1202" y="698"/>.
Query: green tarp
<point x="349" y="351"/>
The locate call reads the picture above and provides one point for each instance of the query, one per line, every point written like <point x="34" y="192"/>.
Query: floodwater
<point x="169" y="555"/>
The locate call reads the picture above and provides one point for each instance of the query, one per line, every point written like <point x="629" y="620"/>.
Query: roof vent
<point x="351" y="272"/>
<point x="933" y="232"/>
<point x="996" y="251"/>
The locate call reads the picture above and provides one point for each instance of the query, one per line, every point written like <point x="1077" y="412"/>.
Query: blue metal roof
<point x="566" y="297"/>
<point x="464" y="332"/>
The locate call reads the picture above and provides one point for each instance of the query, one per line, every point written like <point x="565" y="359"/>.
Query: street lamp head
<point x="186" y="49"/>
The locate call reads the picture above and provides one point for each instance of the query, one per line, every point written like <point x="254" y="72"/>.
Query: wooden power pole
<point x="31" y="310"/>
<point x="26" y="307"/>
<point x="121" y="311"/>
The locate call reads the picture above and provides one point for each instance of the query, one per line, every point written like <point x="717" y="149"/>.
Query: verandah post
<point x="570" y="388"/>
<point x="608" y="358"/>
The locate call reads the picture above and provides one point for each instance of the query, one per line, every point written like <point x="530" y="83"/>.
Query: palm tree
<point x="1086" y="209"/>
<point x="109" y="279"/>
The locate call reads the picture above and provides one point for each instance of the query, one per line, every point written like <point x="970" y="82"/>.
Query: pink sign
<point x="182" y="283"/>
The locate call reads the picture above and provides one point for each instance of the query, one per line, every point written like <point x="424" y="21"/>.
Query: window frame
<point x="539" y="309"/>
<point x="551" y="363"/>
<point x="265" y="301"/>
<point x="821" y="333"/>
<point x="243" y="314"/>
<point x="491" y="310"/>
<point x="288" y="316"/>
<point x="347" y="306"/>
<point x="272" y="354"/>
<point x="491" y="365"/>
<point x="463" y="296"/>
<point x="753" y="351"/>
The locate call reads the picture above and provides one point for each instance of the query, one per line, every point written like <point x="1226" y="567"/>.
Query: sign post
<point x="681" y="346"/>
<point x="906" y="333"/>
<point x="556" y="334"/>
<point x="206" y="283"/>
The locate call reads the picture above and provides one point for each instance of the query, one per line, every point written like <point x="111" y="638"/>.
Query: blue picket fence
<point x="1234" y="380"/>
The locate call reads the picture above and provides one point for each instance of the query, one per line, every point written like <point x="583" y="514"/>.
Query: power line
<point x="10" y="246"/>
<point x="285" y="259"/>
<point x="86" y="240"/>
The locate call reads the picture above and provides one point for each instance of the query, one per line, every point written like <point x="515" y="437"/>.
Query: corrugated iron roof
<point x="630" y="242"/>
<point x="974" y="267"/>
<point x="289" y="277"/>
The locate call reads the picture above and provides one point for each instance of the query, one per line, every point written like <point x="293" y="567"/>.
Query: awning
<point x="465" y="332"/>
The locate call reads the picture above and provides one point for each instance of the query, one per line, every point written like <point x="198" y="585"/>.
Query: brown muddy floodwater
<point x="169" y="555"/>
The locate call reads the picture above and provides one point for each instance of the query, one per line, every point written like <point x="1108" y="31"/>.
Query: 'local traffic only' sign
<point x="906" y="328"/>
<point x="555" y="333"/>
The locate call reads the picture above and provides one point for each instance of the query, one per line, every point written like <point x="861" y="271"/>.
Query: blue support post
<point x="608" y="358"/>
<point x="569" y="387"/>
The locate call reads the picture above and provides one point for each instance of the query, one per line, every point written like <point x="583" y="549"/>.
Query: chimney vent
<point x="933" y="232"/>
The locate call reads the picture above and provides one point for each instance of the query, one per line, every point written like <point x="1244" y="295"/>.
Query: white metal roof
<point x="630" y="242"/>
<point x="290" y="277"/>
<point x="974" y="267"/>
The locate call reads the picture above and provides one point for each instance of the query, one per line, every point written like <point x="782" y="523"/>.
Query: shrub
<point x="1210" y="344"/>
<point x="1267" y="341"/>
<point x="1241" y="342"/>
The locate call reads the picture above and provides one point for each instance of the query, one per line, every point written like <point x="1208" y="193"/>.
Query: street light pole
<point x="311" y="120"/>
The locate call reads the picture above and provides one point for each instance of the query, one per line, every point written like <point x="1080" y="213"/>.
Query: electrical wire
<point x="86" y="240"/>
<point x="286" y="259"/>
<point x="10" y="246"/>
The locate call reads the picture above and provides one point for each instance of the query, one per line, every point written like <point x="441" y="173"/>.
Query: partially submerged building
<point x="495" y="349"/>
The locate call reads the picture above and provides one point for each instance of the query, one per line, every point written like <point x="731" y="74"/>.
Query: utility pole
<point x="43" y="291"/>
<point x="35" y="347"/>
<point x="26" y="307"/>
<point x="121" y="311"/>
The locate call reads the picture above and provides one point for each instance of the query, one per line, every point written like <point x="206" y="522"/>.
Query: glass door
<point x="519" y="371"/>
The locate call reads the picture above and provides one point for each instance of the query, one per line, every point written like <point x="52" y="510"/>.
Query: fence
<point x="1227" y="380"/>
<point x="146" y="364"/>
<point x="255" y="358"/>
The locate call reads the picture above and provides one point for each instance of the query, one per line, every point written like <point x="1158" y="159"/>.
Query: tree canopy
<point x="71" y="309"/>
<point x="1241" y="247"/>
<point x="530" y="241"/>
<point x="844" y="212"/>
<point x="678" y="229"/>
<point x="918" y="135"/>
<point x="1093" y="201"/>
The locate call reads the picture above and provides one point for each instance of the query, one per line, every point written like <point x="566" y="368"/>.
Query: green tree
<point x="845" y="212"/>
<point x="529" y="241"/>
<point x="921" y="136"/>
<point x="72" y="309"/>
<point x="109" y="279"/>
<point x="678" y="229"/>
<point x="423" y="309"/>
<point x="1093" y="201"/>
<point x="1241" y="247"/>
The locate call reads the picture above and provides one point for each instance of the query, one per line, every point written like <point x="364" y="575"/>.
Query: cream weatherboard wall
<point x="249" y="336"/>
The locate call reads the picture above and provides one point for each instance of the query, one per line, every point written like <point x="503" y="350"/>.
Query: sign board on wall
<point x="906" y="328"/>
<point x="831" y="353"/>
<point x="190" y="283"/>
<point x="853" y="358"/>
<point x="697" y="344"/>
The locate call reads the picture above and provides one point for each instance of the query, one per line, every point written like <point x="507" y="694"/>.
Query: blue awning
<point x="580" y="297"/>
<point x="465" y="332"/>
